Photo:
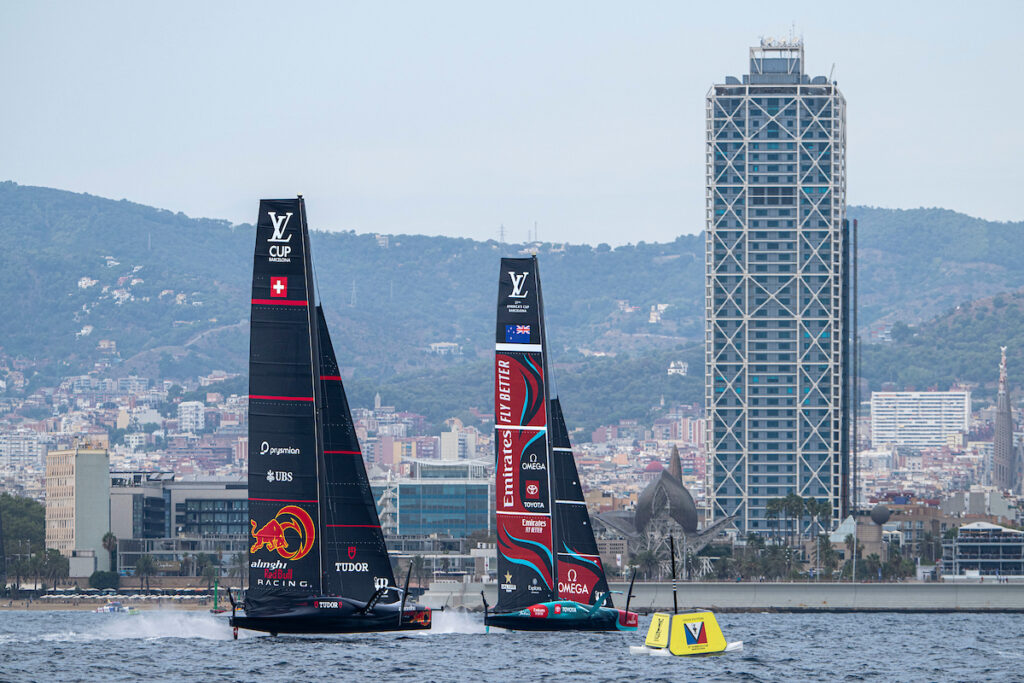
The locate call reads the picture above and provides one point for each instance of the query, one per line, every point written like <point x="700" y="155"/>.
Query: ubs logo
<point x="518" y="282"/>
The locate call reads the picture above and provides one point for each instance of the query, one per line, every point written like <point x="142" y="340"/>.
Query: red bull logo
<point x="272" y="534"/>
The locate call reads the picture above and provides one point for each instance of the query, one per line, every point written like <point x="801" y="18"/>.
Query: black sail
<point x="284" y="434"/>
<point x="355" y="557"/>
<point x="580" y="572"/>
<point x="526" y="561"/>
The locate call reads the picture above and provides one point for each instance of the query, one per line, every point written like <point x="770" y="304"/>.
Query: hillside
<point x="960" y="346"/>
<point x="917" y="264"/>
<point x="172" y="292"/>
<point x="154" y="281"/>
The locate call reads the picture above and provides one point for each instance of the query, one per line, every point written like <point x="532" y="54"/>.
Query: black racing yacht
<point x="317" y="560"/>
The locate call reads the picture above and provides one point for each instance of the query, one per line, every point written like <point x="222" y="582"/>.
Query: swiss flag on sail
<point x="279" y="287"/>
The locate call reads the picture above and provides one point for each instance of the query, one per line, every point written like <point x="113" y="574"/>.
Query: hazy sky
<point x="453" y="118"/>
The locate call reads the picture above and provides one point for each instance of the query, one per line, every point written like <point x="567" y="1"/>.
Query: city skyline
<point x="585" y="122"/>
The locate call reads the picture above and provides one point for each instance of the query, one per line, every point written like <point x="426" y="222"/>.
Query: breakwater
<point x="781" y="597"/>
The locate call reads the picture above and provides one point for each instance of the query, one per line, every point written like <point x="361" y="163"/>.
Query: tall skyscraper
<point x="1004" y="460"/>
<point x="777" y="357"/>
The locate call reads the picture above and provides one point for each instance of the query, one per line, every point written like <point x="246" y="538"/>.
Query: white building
<point x="920" y="419"/>
<point x="458" y="445"/>
<point x="191" y="418"/>
<point x="78" y="507"/>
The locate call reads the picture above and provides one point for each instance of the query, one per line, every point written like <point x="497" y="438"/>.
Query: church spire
<point x="1002" y="370"/>
<point x="675" y="468"/>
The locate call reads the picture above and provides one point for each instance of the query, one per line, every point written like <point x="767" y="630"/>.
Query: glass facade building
<point x="454" y="498"/>
<point x="778" y="289"/>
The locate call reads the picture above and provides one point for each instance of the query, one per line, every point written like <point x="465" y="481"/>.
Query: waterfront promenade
<point x="783" y="597"/>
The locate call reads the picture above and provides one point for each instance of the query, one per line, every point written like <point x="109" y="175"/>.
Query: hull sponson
<point x="345" y="617"/>
<point x="564" y="615"/>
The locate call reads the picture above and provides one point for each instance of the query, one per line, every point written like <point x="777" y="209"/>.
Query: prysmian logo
<point x="267" y="449"/>
<point x="280" y="225"/>
<point x="273" y="476"/>
<point x="518" y="282"/>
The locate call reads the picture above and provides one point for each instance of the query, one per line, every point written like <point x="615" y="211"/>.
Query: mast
<point x="314" y="377"/>
<point x="284" y="425"/>
<point x="526" y="561"/>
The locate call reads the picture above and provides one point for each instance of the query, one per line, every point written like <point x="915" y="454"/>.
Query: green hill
<point x="172" y="293"/>
<point x="959" y="346"/>
<point x="916" y="264"/>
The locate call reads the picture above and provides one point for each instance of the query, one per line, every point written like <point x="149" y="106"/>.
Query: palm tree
<point x="144" y="568"/>
<point x="773" y="509"/>
<point x="209" y="573"/>
<point x="929" y="547"/>
<point x="419" y="566"/>
<point x="794" y="507"/>
<point x="239" y="567"/>
<point x="35" y="565"/>
<point x="110" y="545"/>
<point x="828" y="558"/>
<point x="873" y="565"/>
<point x="56" y="566"/>
<point x="647" y="561"/>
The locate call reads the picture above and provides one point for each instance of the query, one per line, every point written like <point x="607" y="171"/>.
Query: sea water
<point x="197" y="646"/>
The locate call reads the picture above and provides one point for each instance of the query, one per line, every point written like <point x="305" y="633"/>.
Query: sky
<point x="585" y="119"/>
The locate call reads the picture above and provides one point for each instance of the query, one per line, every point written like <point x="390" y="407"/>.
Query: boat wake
<point x="452" y="621"/>
<point x="150" y="625"/>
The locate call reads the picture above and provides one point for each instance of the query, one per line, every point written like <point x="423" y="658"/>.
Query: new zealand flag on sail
<point x="517" y="334"/>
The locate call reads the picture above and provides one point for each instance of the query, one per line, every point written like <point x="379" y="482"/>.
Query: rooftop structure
<point x="985" y="550"/>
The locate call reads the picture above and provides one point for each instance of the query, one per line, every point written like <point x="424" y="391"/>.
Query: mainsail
<point x="284" y="434"/>
<point x="580" y="572"/>
<point x="314" y="525"/>
<point x="526" y="563"/>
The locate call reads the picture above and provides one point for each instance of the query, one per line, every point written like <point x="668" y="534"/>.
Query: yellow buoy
<point x="657" y="633"/>
<point x="696" y="634"/>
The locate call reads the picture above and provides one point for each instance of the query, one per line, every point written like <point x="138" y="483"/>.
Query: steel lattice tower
<point x="777" y="355"/>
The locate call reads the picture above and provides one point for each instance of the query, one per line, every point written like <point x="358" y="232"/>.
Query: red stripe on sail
<point x="336" y="378"/>
<point x="279" y="302"/>
<point x="283" y="500"/>
<point x="354" y="526"/>
<point x="282" y="398"/>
